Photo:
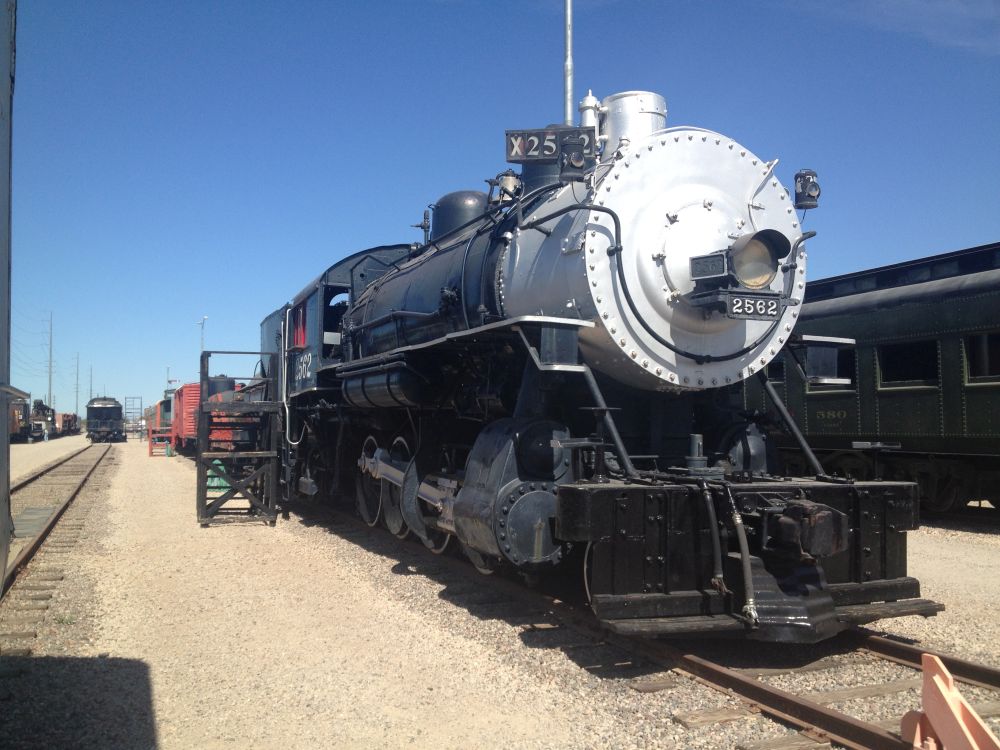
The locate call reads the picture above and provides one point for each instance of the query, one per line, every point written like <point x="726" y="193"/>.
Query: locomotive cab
<point x="336" y="302"/>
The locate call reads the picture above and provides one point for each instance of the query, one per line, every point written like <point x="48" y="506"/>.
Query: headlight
<point x="754" y="258"/>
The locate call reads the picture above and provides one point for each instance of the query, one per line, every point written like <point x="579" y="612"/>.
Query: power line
<point x="27" y="331"/>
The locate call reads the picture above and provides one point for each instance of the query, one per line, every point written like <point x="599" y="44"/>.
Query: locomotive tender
<point x="552" y="379"/>
<point x="105" y="420"/>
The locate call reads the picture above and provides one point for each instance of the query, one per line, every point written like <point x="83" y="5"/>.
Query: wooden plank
<point x="714" y="716"/>
<point x="543" y="625"/>
<point x="827" y="662"/>
<point x="795" y="741"/>
<point x="864" y="691"/>
<point x="653" y="685"/>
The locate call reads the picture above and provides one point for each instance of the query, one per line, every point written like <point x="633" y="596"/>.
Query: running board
<point x="859" y="614"/>
<point x="854" y="614"/>
<point x="676" y="626"/>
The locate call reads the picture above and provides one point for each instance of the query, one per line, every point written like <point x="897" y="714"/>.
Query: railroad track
<point x="40" y="499"/>
<point x="795" y="685"/>
<point x="810" y="711"/>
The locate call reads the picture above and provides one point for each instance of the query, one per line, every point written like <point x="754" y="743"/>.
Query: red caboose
<point x="184" y="429"/>
<point x="185" y="424"/>
<point x="67" y="424"/>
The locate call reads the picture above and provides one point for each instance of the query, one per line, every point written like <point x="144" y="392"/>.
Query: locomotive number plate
<point x="753" y="307"/>
<point x="525" y="146"/>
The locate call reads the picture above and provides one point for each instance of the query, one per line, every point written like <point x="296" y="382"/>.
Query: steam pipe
<point x="609" y="424"/>
<point x="750" y="604"/>
<point x="394" y="315"/>
<point x="284" y="383"/>
<point x="717" y="582"/>
<point x="790" y="424"/>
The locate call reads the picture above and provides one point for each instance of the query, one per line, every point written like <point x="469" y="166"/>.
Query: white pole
<point x="568" y="67"/>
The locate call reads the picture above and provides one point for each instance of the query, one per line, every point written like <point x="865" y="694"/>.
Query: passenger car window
<point x="910" y="364"/>
<point x="982" y="355"/>
<point x="830" y="369"/>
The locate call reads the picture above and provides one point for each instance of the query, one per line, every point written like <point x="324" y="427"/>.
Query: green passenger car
<point x="918" y="396"/>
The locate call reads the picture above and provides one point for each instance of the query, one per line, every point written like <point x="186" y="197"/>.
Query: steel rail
<point x="910" y="656"/>
<point x="816" y="719"/>
<point x="29" y="550"/>
<point x="46" y="469"/>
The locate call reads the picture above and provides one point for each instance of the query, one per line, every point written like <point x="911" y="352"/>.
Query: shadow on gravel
<point x="499" y="597"/>
<point x="63" y="702"/>
<point x="972" y="519"/>
<point x="506" y="599"/>
<point x="752" y="655"/>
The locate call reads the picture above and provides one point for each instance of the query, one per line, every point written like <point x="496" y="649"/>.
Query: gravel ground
<point x="312" y="635"/>
<point x="25" y="458"/>
<point x="961" y="569"/>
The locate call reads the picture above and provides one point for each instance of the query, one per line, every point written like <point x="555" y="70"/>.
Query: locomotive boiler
<point x="550" y="380"/>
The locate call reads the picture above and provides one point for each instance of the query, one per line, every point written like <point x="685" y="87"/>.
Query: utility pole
<point x="91" y="383"/>
<point x="76" y="389"/>
<point x="49" y="402"/>
<point x="8" y="17"/>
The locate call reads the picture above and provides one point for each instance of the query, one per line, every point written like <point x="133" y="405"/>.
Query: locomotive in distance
<point x="35" y="421"/>
<point x="551" y="380"/>
<point x="105" y="420"/>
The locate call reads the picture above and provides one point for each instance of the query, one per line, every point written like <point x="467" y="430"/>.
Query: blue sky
<point x="180" y="159"/>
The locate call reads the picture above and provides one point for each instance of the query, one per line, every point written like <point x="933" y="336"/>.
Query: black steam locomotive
<point x="552" y="379"/>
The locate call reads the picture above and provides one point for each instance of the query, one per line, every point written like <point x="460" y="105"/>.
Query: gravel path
<point x="304" y="636"/>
